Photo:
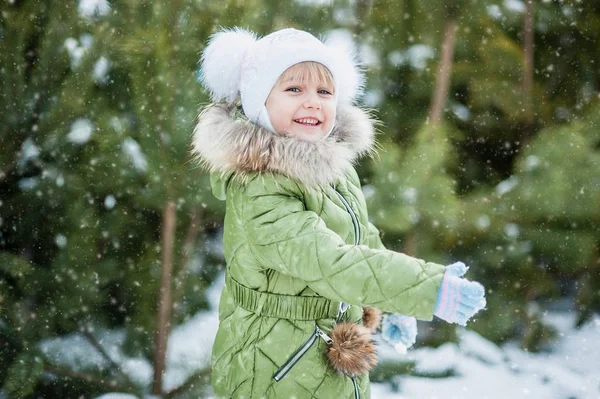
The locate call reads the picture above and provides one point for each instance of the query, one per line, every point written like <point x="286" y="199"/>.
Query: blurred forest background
<point x="490" y="154"/>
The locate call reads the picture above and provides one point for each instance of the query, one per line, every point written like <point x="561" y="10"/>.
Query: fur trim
<point x="371" y="318"/>
<point x="352" y="351"/>
<point x="225" y="141"/>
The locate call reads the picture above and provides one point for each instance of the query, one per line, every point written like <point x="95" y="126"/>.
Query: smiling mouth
<point x="308" y="121"/>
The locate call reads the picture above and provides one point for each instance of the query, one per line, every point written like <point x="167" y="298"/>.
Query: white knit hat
<point x="235" y="61"/>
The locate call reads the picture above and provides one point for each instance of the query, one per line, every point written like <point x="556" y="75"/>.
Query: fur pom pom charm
<point x="352" y="352"/>
<point x="371" y="318"/>
<point x="222" y="61"/>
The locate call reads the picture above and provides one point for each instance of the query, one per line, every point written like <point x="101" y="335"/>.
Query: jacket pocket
<point x="300" y="352"/>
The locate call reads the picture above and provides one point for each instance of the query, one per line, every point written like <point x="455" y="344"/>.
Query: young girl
<point x="306" y="270"/>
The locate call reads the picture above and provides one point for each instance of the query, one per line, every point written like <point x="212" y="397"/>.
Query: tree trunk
<point x="440" y="94"/>
<point x="188" y="246"/>
<point x="164" y="301"/>
<point x="442" y="79"/>
<point x="362" y="10"/>
<point x="528" y="63"/>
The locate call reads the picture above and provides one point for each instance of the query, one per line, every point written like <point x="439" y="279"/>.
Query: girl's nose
<point x="312" y="101"/>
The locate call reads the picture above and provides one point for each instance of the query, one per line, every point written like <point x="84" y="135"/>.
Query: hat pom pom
<point x="341" y="47"/>
<point x="221" y="62"/>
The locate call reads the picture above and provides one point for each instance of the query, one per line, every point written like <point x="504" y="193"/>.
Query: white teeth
<point x="308" y="121"/>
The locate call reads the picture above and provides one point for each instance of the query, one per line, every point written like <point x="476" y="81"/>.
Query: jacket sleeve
<point x="374" y="237"/>
<point x="286" y="237"/>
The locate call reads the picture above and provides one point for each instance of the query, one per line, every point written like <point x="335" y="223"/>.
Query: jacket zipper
<point x="352" y="216"/>
<point x="356" y="392"/>
<point x="295" y="358"/>
<point x="344" y="306"/>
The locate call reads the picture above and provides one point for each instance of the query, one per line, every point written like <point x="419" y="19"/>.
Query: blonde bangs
<point x="308" y="71"/>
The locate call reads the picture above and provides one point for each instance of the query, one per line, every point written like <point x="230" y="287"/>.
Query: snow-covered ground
<point x="480" y="369"/>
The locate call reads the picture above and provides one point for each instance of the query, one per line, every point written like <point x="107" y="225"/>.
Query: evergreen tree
<point x="99" y="197"/>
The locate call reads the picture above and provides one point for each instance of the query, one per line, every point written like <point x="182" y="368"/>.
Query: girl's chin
<point x="308" y="134"/>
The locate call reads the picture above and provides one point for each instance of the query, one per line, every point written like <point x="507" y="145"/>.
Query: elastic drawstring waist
<point x="282" y="306"/>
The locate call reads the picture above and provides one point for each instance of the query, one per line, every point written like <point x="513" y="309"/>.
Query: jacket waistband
<point x="281" y="306"/>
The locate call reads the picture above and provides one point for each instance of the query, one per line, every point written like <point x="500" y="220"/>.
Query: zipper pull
<point x="325" y="337"/>
<point x="342" y="308"/>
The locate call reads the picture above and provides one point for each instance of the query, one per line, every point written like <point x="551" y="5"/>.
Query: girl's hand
<point x="458" y="299"/>
<point x="399" y="331"/>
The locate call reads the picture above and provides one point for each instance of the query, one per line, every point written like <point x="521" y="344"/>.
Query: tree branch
<point x="201" y="376"/>
<point x="114" y="366"/>
<point x="108" y="385"/>
<point x="528" y="62"/>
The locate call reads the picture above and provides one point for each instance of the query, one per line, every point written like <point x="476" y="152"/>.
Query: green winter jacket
<point x="299" y="248"/>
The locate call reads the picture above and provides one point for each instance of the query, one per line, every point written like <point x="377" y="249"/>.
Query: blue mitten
<point x="399" y="331"/>
<point x="458" y="299"/>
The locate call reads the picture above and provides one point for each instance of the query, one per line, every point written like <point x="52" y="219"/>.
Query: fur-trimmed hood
<point x="224" y="141"/>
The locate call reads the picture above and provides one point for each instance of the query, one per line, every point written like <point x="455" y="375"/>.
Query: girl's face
<point x="302" y="108"/>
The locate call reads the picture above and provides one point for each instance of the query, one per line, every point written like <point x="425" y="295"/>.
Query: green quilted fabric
<point x="283" y="238"/>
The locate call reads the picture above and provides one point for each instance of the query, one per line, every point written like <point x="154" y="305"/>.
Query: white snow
<point x="81" y="131"/>
<point x="368" y="190"/>
<point x="515" y="6"/>
<point x="418" y="55"/>
<point x="91" y="8"/>
<point x="189" y="349"/>
<point x="116" y="395"/>
<point x="410" y="195"/>
<point x="60" y="240"/>
<point x="77" y="49"/>
<point x="344" y="16"/>
<point x="532" y="162"/>
<point x="110" y="202"/>
<point x="494" y="11"/>
<point x="133" y="150"/>
<point x="117" y="124"/>
<point x="396" y="58"/>
<point x="485" y="370"/>
<point x="483" y="222"/>
<point x="474" y="345"/>
<point x="315" y="3"/>
<point x="506" y="185"/>
<point x="463" y="113"/>
<point x="28" y="183"/>
<point x="28" y="151"/>
<point x="60" y="180"/>
<point x="369" y="56"/>
<point x="511" y="230"/>
<point x="372" y="98"/>
<point x="436" y="361"/>
<point x="101" y="68"/>
<point x="479" y="369"/>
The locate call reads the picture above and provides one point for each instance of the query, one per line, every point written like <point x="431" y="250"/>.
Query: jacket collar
<point x="224" y="141"/>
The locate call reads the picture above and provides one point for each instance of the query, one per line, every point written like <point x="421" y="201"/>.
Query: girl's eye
<point x="293" y="89"/>
<point x="323" y="91"/>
